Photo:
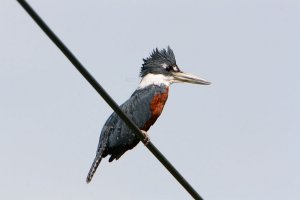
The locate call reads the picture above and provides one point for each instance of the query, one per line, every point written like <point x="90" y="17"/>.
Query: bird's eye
<point x="169" y="68"/>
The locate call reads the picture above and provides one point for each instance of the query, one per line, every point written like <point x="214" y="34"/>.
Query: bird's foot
<point x="146" y="139"/>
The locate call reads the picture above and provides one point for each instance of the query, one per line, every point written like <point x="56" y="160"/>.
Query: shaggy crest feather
<point x="156" y="59"/>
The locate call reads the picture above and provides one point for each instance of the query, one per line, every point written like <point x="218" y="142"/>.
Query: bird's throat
<point x="154" y="79"/>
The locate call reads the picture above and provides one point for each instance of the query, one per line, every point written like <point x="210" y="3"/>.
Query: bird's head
<point x="161" y="68"/>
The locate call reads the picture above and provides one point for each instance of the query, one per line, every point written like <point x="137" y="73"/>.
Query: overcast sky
<point x="236" y="139"/>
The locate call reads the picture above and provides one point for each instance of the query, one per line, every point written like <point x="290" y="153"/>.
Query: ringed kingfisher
<point x="144" y="106"/>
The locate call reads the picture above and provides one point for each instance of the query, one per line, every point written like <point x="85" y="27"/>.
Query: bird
<point x="145" y="105"/>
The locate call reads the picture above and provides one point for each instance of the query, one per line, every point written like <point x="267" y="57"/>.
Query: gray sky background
<point x="236" y="139"/>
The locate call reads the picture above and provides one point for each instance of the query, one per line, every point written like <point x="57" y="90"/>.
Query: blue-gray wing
<point x="116" y="138"/>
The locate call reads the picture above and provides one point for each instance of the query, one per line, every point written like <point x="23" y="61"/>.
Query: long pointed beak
<point x="182" y="77"/>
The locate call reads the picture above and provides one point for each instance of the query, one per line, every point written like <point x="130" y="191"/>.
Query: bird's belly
<point x="156" y="106"/>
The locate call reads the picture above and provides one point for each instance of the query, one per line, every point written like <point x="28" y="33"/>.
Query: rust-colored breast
<point x="157" y="105"/>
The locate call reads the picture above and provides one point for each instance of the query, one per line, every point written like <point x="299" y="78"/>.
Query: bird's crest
<point x="156" y="59"/>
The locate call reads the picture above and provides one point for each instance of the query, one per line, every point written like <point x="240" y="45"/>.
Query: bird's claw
<point x="146" y="139"/>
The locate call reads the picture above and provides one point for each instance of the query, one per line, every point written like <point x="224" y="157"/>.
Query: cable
<point x="108" y="99"/>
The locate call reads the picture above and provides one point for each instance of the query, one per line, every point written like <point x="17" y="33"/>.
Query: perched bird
<point x="144" y="106"/>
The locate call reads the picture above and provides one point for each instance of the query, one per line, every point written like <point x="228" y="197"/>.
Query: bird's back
<point x="143" y="108"/>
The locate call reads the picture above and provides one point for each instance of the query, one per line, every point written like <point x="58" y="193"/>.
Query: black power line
<point x="108" y="99"/>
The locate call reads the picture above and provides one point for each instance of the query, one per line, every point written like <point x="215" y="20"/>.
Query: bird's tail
<point x="94" y="167"/>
